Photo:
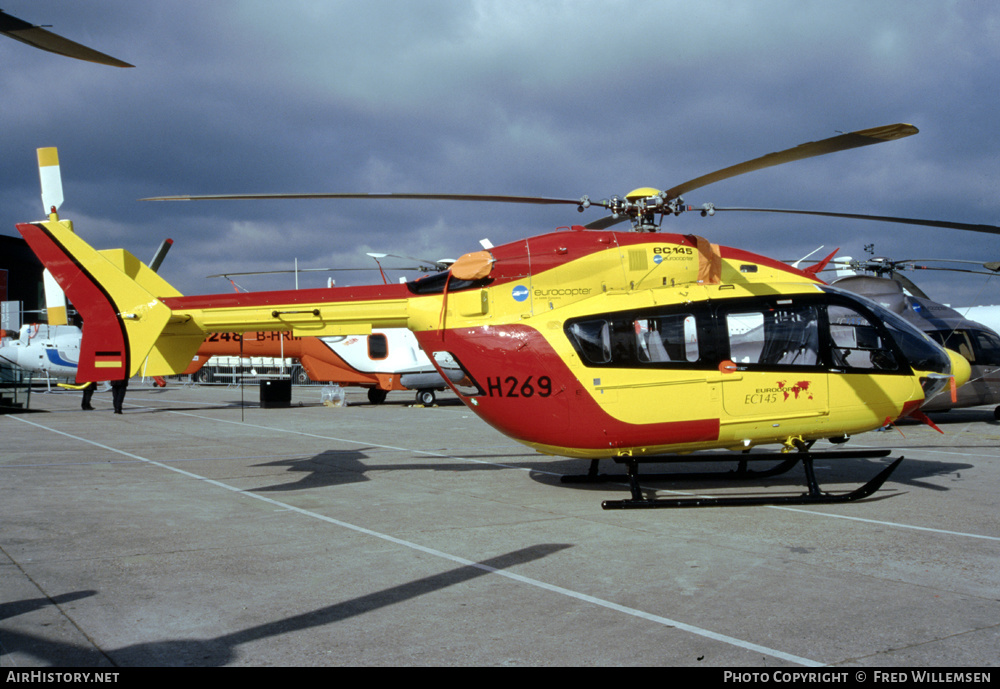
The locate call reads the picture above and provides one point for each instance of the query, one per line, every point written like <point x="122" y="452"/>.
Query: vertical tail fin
<point x="118" y="297"/>
<point x="115" y="293"/>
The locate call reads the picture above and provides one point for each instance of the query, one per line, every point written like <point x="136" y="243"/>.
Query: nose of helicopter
<point x="960" y="368"/>
<point x="935" y="384"/>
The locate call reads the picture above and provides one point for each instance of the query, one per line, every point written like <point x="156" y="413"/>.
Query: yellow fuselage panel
<point x="753" y="407"/>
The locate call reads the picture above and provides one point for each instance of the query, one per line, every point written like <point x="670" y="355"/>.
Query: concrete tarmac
<point x="193" y="531"/>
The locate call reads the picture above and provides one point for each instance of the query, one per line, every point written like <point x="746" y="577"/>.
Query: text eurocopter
<point x="833" y="676"/>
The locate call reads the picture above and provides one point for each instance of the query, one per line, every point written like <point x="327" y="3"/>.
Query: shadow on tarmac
<point x="222" y="650"/>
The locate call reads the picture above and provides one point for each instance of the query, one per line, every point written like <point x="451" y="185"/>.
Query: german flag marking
<point x="108" y="360"/>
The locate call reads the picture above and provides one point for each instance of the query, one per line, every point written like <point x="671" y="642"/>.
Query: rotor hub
<point x="642" y="205"/>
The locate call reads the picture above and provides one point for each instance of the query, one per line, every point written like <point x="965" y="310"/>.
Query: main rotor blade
<point x="903" y="266"/>
<point x="908" y="284"/>
<point x="38" y="37"/>
<point x="952" y="270"/>
<point x="605" y="222"/>
<point x="311" y="270"/>
<point x="988" y="229"/>
<point x="431" y="197"/>
<point x="993" y="266"/>
<point x="864" y="137"/>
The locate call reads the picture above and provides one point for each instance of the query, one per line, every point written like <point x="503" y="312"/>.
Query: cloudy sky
<point x="546" y="98"/>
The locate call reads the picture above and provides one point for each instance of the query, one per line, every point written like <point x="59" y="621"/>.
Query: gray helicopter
<point x="879" y="279"/>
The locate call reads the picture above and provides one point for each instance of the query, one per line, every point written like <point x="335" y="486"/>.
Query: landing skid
<point x="741" y="472"/>
<point x="813" y="496"/>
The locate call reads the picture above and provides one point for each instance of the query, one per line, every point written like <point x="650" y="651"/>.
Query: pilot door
<point x="775" y="371"/>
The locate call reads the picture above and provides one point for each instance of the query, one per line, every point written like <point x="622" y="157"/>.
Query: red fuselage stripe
<point x="532" y="395"/>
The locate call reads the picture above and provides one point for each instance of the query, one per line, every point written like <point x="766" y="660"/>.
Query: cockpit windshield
<point x="922" y="353"/>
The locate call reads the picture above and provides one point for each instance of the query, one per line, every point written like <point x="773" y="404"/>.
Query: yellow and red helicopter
<point x="583" y="342"/>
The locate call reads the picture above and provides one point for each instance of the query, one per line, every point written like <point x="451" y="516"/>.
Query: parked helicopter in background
<point x="586" y="343"/>
<point x="881" y="280"/>
<point x="51" y="348"/>
<point x="41" y="348"/>
<point x="985" y="314"/>
<point x="387" y="359"/>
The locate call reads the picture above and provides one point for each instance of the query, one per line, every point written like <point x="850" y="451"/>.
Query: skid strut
<point x="813" y="495"/>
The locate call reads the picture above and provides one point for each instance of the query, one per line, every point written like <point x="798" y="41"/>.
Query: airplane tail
<point x="119" y="298"/>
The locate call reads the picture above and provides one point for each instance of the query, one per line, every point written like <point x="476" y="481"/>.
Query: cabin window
<point x="989" y="347"/>
<point x="666" y="338"/>
<point x="378" y="346"/>
<point x="464" y="383"/>
<point x="775" y="335"/>
<point x="592" y="340"/>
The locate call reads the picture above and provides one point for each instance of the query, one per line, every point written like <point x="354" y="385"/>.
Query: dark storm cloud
<point x="544" y="98"/>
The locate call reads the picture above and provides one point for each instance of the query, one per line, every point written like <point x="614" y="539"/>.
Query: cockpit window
<point x="920" y="352"/>
<point x="980" y="347"/>
<point x="857" y="342"/>
<point x="989" y="347"/>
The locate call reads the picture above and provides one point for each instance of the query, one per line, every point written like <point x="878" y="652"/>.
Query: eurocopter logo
<point x="802" y="387"/>
<point x="520" y="293"/>
<point x="781" y="392"/>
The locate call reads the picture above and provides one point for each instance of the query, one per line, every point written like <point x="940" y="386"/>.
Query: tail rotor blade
<point x="51" y="179"/>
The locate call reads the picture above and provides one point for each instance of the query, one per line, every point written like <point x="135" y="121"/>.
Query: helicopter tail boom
<point x="137" y="322"/>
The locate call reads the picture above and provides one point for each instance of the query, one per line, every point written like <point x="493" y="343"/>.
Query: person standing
<point x="118" y="393"/>
<point x="88" y="392"/>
